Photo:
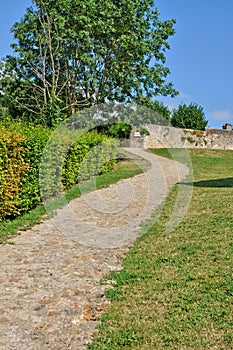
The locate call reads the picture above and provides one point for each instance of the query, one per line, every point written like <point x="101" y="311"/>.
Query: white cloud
<point x="224" y="115"/>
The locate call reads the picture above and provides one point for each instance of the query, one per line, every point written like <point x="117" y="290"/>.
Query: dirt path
<point x="50" y="296"/>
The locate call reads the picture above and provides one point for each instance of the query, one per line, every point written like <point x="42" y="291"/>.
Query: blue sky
<point x="201" y="55"/>
<point x="200" y="58"/>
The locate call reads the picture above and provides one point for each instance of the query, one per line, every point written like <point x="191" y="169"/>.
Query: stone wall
<point x="170" y="137"/>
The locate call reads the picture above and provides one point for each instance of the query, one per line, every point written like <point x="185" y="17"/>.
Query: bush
<point x="90" y="155"/>
<point x="13" y="167"/>
<point x="189" y="117"/>
<point x="36" y="138"/>
<point x="117" y="130"/>
<point x="22" y="147"/>
<point x="71" y="158"/>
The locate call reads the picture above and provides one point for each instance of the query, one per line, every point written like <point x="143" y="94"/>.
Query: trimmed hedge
<point x="13" y="167"/>
<point x="91" y="154"/>
<point x="36" y="138"/>
<point x="66" y="161"/>
<point x="71" y="157"/>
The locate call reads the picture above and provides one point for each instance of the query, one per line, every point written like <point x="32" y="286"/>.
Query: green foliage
<point x="13" y="167"/>
<point x="91" y="154"/>
<point x="35" y="138"/>
<point x="71" y="157"/>
<point x="23" y="178"/>
<point x="189" y="117"/>
<point x="52" y="162"/>
<point x="118" y="130"/>
<point x="73" y="54"/>
<point x="152" y="112"/>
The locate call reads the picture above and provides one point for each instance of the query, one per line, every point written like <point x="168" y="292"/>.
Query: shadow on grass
<point x="228" y="182"/>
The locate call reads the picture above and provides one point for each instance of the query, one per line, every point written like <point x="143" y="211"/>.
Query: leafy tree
<point x="189" y="116"/>
<point x="71" y="54"/>
<point x="152" y="112"/>
<point x="117" y="130"/>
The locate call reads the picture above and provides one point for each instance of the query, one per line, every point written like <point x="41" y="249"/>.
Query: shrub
<point x="71" y="158"/>
<point x="91" y="154"/>
<point x="13" y="167"/>
<point x="22" y="147"/>
<point x="189" y="117"/>
<point x="36" y="138"/>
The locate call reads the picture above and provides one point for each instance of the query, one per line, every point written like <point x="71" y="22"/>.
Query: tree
<point x="189" y="117"/>
<point x="71" y="54"/>
<point x="152" y="112"/>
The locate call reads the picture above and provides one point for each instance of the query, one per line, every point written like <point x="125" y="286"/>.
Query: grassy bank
<point x="176" y="290"/>
<point x="122" y="170"/>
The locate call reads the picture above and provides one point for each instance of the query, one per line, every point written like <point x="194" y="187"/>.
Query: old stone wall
<point x="170" y="137"/>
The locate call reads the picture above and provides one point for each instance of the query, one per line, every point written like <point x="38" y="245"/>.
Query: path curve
<point x="50" y="297"/>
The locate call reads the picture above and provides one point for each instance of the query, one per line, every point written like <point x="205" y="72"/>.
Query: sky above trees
<point x="200" y="57"/>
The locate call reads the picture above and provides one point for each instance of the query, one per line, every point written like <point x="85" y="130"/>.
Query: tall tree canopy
<point x="71" y="54"/>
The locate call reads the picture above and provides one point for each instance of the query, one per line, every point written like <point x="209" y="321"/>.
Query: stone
<point x="50" y="291"/>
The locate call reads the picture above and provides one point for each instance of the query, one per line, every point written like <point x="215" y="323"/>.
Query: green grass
<point x="122" y="170"/>
<point x="175" y="290"/>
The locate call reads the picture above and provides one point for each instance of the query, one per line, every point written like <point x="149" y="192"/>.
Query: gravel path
<point x="50" y="293"/>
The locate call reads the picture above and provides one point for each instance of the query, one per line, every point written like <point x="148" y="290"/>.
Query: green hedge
<point x="91" y="154"/>
<point x="36" y="138"/>
<point x="65" y="162"/>
<point x="13" y="167"/>
<point x="71" y="157"/>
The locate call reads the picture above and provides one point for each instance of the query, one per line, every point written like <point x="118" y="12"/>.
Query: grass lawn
<point x="123" y="169"/>
<point x="176" y="290"/>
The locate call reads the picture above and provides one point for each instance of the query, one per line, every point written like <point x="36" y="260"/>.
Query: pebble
<point x="50" y="291"/>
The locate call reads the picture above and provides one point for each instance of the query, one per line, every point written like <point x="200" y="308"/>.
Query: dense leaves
<point x="22" y="149"/>
<point x="190" y="117"/>
<point x="13" y="167"/>
<point x="73" y="54"/>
